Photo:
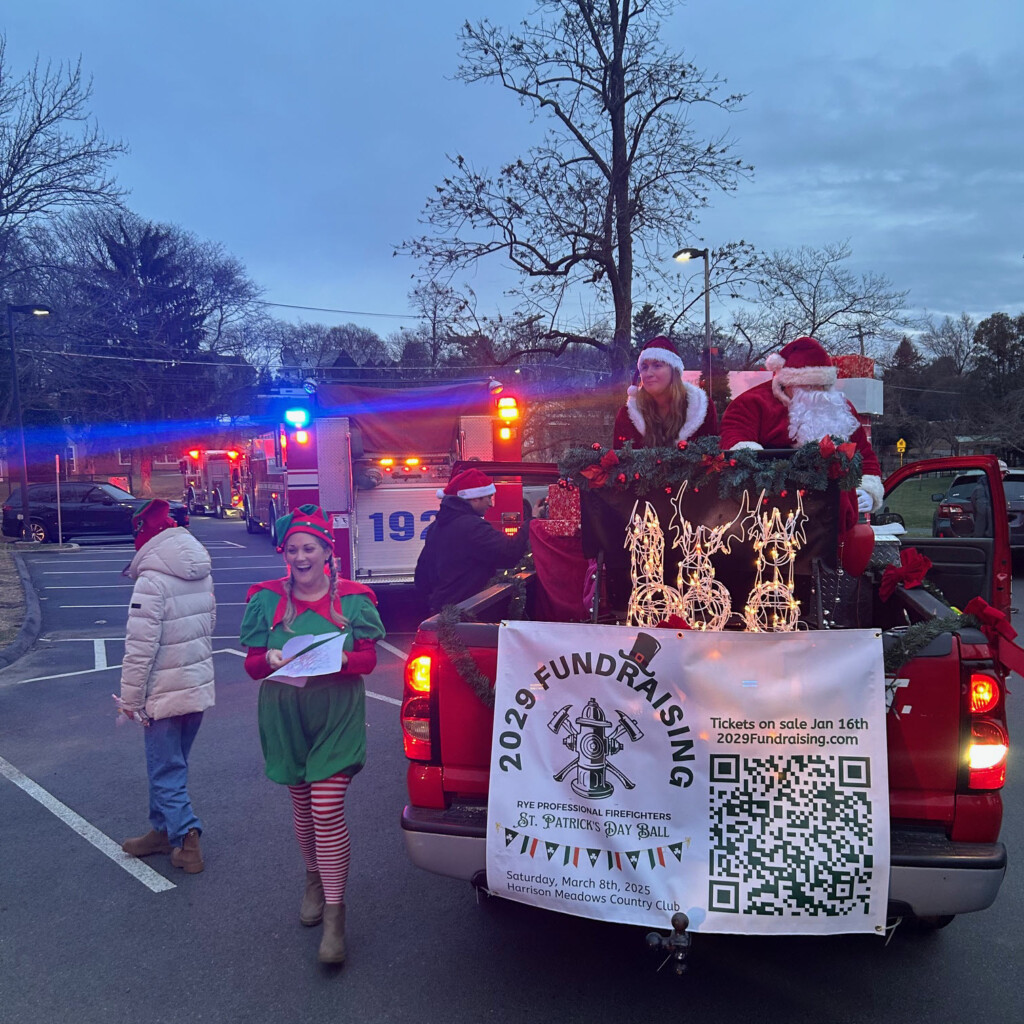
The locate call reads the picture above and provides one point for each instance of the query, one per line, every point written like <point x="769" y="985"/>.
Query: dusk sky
<point x="305" y="137"/>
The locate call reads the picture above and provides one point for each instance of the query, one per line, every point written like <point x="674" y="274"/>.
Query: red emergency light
<point x="193" y="453"/>
<point x="508" y="409"/>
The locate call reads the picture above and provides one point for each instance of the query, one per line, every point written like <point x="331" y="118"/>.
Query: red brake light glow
<point x="984" y="693"/>
<point x="417" y="673"/>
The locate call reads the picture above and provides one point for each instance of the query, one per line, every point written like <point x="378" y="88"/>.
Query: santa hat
<point x="470" y="483"/>
<point x="802" y="361"/>
<point x="304" y="519"/>
<point x="153" y="518"/>
<point x="663" y="350"/>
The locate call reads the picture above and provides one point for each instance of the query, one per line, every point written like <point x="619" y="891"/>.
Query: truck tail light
<point x="984" y="693"/>
<point x="987" y="755"/>
<point x="416" y="709"/>
<point x="988" y="744"/>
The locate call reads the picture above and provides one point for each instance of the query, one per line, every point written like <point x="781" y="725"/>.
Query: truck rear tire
<point x="250" y="523"/>
<point x="933" y="924"/>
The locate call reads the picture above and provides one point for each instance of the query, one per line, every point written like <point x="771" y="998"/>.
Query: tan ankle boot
<point x="145" y="846"/>
<point x="312" y="910"/>
<point x="332" y="945"/>
<point x="189" y="857"/>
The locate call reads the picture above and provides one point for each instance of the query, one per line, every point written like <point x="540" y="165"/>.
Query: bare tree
<point x="953" y="340"/>
<point x="618" y="177"/>
<point x="809" y="291"/>
<point x="51" y="154"/>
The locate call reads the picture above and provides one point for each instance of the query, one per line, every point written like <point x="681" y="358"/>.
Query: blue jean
<point x="168" y="742"/>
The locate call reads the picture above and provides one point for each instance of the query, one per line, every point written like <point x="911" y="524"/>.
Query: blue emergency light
<point x="297" y="418"/>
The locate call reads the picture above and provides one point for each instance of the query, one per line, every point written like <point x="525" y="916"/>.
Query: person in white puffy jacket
<point x="167" y="674"/>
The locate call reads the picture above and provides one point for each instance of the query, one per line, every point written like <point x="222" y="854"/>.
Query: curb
<point x="33" y="618"/>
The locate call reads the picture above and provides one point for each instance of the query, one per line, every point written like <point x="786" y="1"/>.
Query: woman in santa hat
<point x="314" y="736"/>
<point x="664" y="409"/>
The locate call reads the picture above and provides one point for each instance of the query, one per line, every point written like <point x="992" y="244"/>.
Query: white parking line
<point x="135" y="867"/>
<point x="392" y="650"/>
<point x="104" y="668"/>
<point x="99" y="652"/>
<point x="380" y="696"/>
<point x="123" y="607"/>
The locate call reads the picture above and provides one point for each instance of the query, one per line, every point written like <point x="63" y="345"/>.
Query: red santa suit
<point x="701" y="417"/>
<point x="763" y="418"/>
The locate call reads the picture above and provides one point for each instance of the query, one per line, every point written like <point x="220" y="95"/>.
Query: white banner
<point x="738" y="777"/>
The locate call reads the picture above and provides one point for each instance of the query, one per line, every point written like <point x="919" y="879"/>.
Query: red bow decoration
<point x="910" y="572"/>
<point x="598" y="474"/>
<point x="827" y="447"/>
<point x="993" y="622"/>
<point x="713" y="463"/>
<point x="673" y="622"/>
<point x="999" y="633"/>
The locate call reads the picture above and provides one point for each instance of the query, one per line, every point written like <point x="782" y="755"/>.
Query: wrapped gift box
<point x="564" y="503"/>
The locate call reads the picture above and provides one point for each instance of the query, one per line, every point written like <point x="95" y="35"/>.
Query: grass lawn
<point x="913" y="501"/>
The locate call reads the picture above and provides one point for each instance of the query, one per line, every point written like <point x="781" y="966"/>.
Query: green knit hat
<point x="304" y="519"/>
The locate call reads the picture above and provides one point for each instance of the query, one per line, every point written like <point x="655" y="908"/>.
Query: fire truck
<point x="212" y="483"/>
<point x="374" y="460"/>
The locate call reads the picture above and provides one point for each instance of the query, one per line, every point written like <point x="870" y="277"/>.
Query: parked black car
<point x="954" y="516"/>
<point x="86" y="509"/>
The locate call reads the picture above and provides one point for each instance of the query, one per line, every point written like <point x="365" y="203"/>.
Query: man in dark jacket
<point x="461" y="551"/>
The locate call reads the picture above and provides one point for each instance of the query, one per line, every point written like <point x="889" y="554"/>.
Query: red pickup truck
<point x="946" y="760"/>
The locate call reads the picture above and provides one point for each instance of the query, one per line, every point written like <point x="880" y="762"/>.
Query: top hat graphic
<point x="645" y="647"/>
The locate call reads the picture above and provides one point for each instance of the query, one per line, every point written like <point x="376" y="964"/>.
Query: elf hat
<point x="802" y="361"/>
<point x="662" y="349"/>
<point x="304" y="519"/>
<point x="153" y="518"/>
<point x="470" y="483"/>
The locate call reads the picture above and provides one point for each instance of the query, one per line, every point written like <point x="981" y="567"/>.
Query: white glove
<point x="864" y="500"/>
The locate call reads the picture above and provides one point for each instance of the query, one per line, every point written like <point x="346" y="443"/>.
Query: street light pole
<point x="32" y="309"/>
<point x="683" y="256"/>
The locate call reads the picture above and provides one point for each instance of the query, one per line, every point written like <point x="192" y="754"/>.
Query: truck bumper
<point x="929" y="876"/>
<point x="933" y="877"/>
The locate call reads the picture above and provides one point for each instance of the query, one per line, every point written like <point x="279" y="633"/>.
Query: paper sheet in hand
<point x="312" y="655"/>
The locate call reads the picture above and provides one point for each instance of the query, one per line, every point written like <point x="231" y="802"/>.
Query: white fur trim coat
<point x="701" y="418"/>
<point x="168" y="658"/>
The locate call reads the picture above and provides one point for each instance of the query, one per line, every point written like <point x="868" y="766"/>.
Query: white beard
<point x="815" y="414"/>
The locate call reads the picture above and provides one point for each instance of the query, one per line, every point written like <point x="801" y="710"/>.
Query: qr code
<point x="790" y="836"/>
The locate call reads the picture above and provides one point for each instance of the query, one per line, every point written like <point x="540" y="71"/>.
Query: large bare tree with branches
<point x="51" y="155"/>
<point x="812" y="291"/>
<point x="621" y="172"/>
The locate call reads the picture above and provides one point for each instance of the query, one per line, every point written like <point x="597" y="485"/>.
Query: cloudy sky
<point x="306" y="136"/>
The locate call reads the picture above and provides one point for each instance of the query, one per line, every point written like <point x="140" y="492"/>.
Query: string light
<point x="652" y="600"/>
<point x="702" y="600"/>
<point x="771" y="607"/>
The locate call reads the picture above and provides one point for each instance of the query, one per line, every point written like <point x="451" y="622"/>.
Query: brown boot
<point x="145" y="846"/>
<point x="332" y="945"/>
<point x="189" y="857"/>
<point x="312" y="910"/>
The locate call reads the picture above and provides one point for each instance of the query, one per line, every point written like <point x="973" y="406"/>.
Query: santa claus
<point x="801" y="403"/>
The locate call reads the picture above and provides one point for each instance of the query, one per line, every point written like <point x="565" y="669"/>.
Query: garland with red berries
<point x="641" y="470"/>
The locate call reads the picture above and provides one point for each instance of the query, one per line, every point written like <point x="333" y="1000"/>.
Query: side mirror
<point x="938" y="497"/>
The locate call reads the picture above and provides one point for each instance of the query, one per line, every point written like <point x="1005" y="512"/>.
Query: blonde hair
<point x="663" y="430"/>
<point x="290" y="612"/>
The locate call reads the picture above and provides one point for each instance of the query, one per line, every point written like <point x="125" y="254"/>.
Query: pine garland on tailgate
<point x="458" y="654"/>
<point x="642" y="470"/>
<point x="908" y="643"/>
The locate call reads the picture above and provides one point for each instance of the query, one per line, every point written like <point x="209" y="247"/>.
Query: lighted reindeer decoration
<point x="776" y="537"/>
<point x="652" y="600"/>
<point x="706" y="602"/>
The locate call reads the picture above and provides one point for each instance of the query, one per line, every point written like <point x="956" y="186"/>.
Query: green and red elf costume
<point x="332" y="705"/>
<point x="314" y="736"/>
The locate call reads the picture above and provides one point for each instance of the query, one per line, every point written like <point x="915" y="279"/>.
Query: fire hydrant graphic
<point x="594" y="745"/>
